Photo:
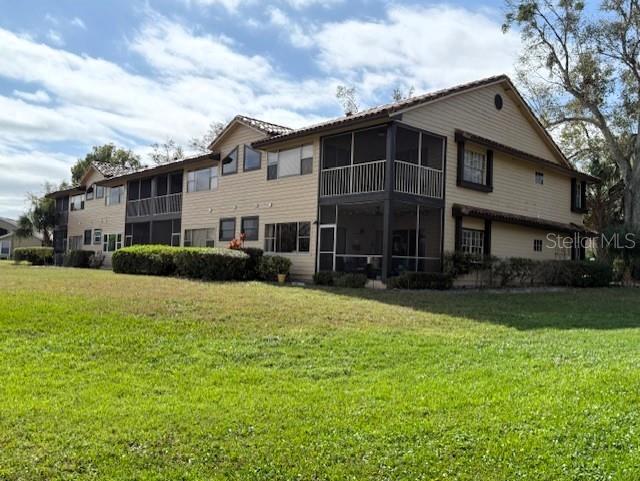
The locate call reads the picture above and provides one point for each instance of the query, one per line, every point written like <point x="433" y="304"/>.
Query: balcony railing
<point x="370" y="177"/>
<point x="418" y="180"/>
<point x="165" y="204"/>
<point x="353" y="179"/>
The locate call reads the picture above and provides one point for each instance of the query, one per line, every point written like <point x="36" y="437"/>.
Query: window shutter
<point x="460" y="143"/>
<point x="490" y="168"/>
<point x="573" y="194"/>
<point x="458" y="234"/>
<point x="487" y="237"/>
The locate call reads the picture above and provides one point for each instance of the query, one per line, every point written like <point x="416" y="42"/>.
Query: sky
<point x="77" y="74"/>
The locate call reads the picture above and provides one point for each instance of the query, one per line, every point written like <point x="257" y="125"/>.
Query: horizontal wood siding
<point x="514" y="187"/>
<point x="290" y="199"/>
<point x="97" y="215"/>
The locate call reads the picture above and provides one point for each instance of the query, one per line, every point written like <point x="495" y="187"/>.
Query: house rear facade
<point x="9" y="240"/>
<point x="382" y="191"/>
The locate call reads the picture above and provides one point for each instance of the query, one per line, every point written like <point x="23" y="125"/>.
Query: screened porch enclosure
<point x="352" y="239"/>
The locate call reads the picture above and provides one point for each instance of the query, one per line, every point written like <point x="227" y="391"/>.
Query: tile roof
<point x="111" y="170"/>
<point x="266" y="127"/>
<point x="382" y="110"/>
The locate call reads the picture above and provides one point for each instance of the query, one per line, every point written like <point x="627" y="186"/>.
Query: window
<point x="286" y="163"/>
<point x="199" y="237"/>
<point x="5" y="247"/>
<point x="115" y="195"/>
<point x="227" y="229"/>
<point x="419" y="148"/>
<point x="99" y="192"/>
<point x="249" y="227"/>
<point x="111" y="242"/>
<point x="203" y="179"/>
<point x="540" y="178"/>
<point x="251" y="159"/>
<point x="537" y="245"/>
<point x="472" y="241"/>
<point x="230" y="162"/>
<point x="77" y="202"/>
<point x="287" y="237"/>
<point x="89" y="194"/>
<point x="475" y="167"/>
<point x="87" y="237"/>
<point x="97" y="236"/>
<point x="75" y="242"/>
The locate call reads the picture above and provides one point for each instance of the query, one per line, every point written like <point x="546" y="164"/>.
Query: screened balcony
<point x="356" y="162"/>
<point x="155" y="196"/>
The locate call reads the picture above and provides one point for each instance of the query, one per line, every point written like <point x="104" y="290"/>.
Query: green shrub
<point x="211" y="264"/>
<point x="460" y="263"/>
<point x="96" y="260"/>
<point x="514" y="270"/>
<point x="349" y="279"/>
<point x="77" y="258"/>
<point x="421" y="280"/>
<point x="157" y="260"/>
<point x="324" y="278"/>
<point x="37" y="256"/>
<point x="252" y="269"/>
<point x="574" y="273"/>
<point x="271" y="266"/>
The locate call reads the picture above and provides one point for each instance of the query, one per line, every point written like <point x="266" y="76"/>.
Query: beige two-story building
<point x="382" y="191"/>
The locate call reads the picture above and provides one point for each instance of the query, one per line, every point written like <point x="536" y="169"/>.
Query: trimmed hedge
<point x="271" y="266"/>
<point x="421" y="280"/>
<point x="153" y="260"/>
<point x="353" y="280"/>
<point x="38" y="256"/>
<point x="574" y="273"/>
<point x="78" y="258"/>
<point x="340" y="279"/>
<point x="253" y="262"/>
<point x="210" y="264"/>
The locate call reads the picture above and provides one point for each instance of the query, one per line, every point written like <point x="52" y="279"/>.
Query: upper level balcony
<point x="355" y="162"/>
<point x="160" y="195"/>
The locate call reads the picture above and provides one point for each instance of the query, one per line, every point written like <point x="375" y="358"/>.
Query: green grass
<point x="106" y="376"/>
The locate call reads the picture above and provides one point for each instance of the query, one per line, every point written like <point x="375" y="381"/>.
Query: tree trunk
<point x="632" y="203"/>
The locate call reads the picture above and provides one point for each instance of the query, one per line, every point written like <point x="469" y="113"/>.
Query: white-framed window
<point x="5" y="247"/>
<point x="475" y="167"/>
<point x="199" y="237"/>
<point x="97" y="236"/>
<point x="472" y="241"/>
<point x="111" y="242"/>
<point x="537" y="245"/>
<point x="287" y="237"/>
<point x="289" y="162"/>
<point x="76" y="202"/>
<point x="203" y="179"/>
<point x="115" y="195"/>
<point x="99" y="191"/>
<point x="540" y="178"/>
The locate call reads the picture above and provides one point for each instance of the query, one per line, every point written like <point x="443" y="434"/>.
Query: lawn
<point x="106" y="376"/>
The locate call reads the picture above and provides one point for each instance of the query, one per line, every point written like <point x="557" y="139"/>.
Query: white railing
<point x="353" y="179"/>
<point x="418" y="180"/>
<point x="165" y="204"/>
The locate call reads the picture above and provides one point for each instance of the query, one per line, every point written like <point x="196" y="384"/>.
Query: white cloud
<point x="39" y="96"/>
<point x="55" y="38"/>
<point x="229" y="5"/>
<point x="296" y="34"/>
<point x="300" y="4"/>
<point x="78" y="22"/>
<point x="429" y="47"/>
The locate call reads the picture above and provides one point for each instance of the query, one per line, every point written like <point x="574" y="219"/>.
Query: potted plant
<point x="275" y="267"/>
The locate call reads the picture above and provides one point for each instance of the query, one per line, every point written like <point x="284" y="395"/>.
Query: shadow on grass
<point x="611" y="308"/>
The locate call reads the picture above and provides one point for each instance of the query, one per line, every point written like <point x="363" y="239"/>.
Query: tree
<point x="584" y="70"/>
<point x="40" y="218"/>
<point x="107" y="154"/>
<point x="168" y="151"/>
<point x="347" y="98"/>
<point x="398" y="94"/>
<point x="201" y="144"/>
